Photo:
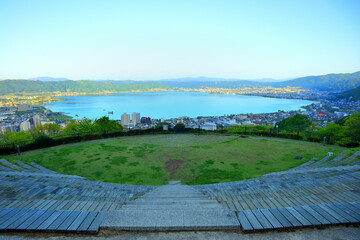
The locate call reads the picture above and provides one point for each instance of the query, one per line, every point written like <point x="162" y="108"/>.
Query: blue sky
<point x="142" y="40"/>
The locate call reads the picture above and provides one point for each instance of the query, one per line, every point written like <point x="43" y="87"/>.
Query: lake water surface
<point x="171" y="104"/>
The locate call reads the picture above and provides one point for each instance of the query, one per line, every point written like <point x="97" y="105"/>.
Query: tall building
<point x="25" y="126"/>
<point x="135" y="118"/>
<point x="37" y="121"/>
<point x="146" y="120"/>
<point x="6" y="128"/>
<point x="125" y="119"/>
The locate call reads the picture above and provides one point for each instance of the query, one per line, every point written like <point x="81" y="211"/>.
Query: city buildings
<point x="125" y="119"/>
<point x="6" y="128"/>
<point x="37" y="120"/>
<point x="135" y="118"/>
<point x="25" y="126"/>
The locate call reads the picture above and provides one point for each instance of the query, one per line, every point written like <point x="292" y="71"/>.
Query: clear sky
<point x="143" y="39"/>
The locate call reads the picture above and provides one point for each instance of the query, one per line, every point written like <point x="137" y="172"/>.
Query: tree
<point x="332" y="129"/>
<point x="10" y="137"/>
<point x="105" y="124"/>
<point x="51" y="128"/>
<point x="86" y="125"/>
<point x="353" y="128"/>
<point x="160" y="125"/>
<point x="179" y="127"/>
<point x="71" y="128"/>
<point x="297" y="123"/>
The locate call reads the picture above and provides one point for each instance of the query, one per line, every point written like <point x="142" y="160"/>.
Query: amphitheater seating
<point x="31" y="189"/>
<point x="301" y="216"/>
<point x="317" y="193"/>
<point x="50" y="220"/>
<point x="304" y="190"/>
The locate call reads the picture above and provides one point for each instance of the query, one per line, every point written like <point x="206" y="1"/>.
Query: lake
<point x="171" y="104"/>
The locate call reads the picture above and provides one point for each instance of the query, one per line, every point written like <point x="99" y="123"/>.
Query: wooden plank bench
<point x="300" y="216"/>
<point x="50" y="220"/>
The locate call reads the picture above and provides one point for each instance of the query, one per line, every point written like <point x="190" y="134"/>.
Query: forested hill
<point x="31" y="86"/>
<point x="330" y="82"/>
<point x="354" y="94"/>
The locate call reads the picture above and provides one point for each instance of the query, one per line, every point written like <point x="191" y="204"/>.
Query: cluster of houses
<point x="25" y="117"/>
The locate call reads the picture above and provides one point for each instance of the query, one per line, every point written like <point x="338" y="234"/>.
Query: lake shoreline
<point x="171" y="104"/>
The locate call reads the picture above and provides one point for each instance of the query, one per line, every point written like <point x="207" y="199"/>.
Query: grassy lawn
<point x="154" y="160"/>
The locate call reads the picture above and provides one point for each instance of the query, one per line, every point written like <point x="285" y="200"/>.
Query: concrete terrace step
<point x="187" y="207"/>
<point x="171" y="220"/>
<point x="171" y="207"/>
<point x="174" y="196"/>
<point x="171" y="201"/>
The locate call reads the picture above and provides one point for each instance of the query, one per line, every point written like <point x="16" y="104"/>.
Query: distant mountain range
<point x="185" y="79"/>
<point x="330" y="82"/>
<point x="32" y="86"/>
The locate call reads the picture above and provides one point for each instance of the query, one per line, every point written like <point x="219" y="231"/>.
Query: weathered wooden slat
<point x="5" y="211"/>
<point x="87" y="222"/>
<point x="271" y="218"/>
<point x="45" y="225"/>
<point x="262" y="219"/>
<point x="308" y="216"/>
<point x="316" y="215"/>
<point x="40" y="220"/>
<point x="281" y="218"/>
<point x="298" y="216"/>
<point x="334" y="214"/>
<point x="68" y="221"/>
<point x="327" y="215"/>
<point x="355" y="210"/>
<point x="14" y="218"/>
<point x="253" y="220"/>
<point x="77" y="222"/>
<point x="244" y="222"/>
<point x="94" y="227"/>
<point x="35" y="214"/>
<point x="7" y="216"/>
<point x="339" y="208"/>
<point x="58" y="221"/>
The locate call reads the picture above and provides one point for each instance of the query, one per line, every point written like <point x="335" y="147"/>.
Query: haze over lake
<point x="171" y="104"/>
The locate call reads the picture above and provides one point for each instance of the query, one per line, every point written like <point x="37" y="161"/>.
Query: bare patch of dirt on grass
<point x="172" y="165"/>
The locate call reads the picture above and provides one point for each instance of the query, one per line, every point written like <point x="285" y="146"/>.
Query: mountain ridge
<point x="339" y="82"/>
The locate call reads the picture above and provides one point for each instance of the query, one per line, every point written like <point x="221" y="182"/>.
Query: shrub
<point x="350" y="144"/>
<point x="43" y="141"/>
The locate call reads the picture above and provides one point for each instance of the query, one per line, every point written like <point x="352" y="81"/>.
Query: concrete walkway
<point x="169" y="208"/>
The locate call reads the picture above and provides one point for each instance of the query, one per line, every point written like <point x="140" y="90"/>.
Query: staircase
<point x="171" y="207"/>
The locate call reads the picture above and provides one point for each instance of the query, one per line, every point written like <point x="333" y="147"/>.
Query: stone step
<point x="167" y="203"/>
<point x="174" y="206"/>
<point x="172" y="201"/>
<point x="174" y="193"/>
<point x="175" y="197"/>
<point x="171" y="220"/>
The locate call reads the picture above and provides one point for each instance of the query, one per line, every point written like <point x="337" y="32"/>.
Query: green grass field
<point x="154" y="160"/>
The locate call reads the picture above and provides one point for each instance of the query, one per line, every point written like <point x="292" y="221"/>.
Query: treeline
<point x="31" y="86"/>
<point x="103" y="124"/>
<point x="345" y="132"/>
